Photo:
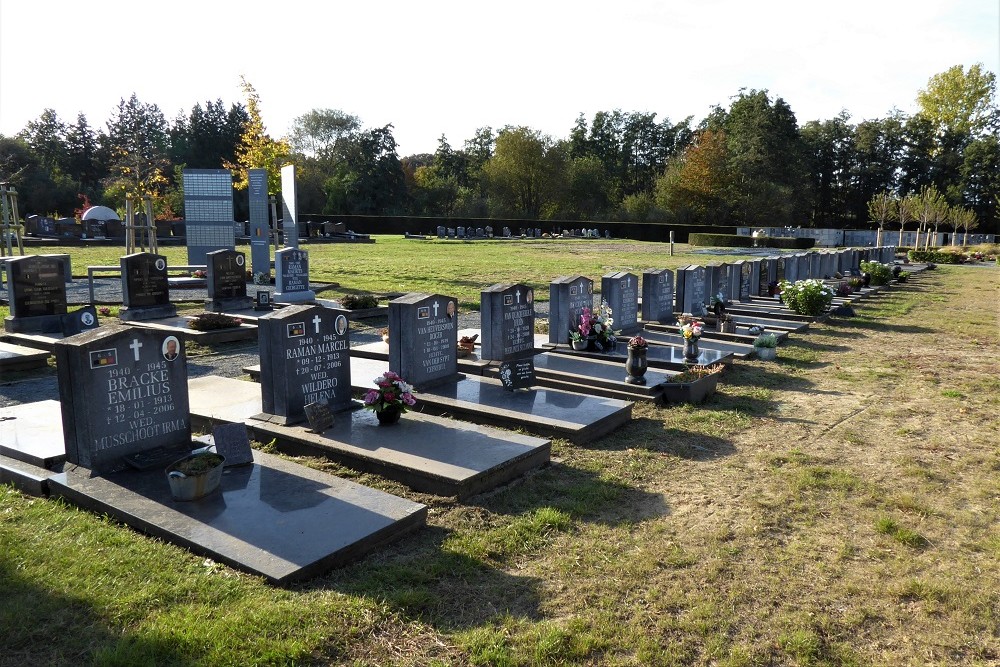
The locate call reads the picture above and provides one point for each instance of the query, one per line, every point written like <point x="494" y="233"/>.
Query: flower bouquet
<point x="637" y="343"/>
<point x="390" y="398"/>
<point x="596" y="327"/>
<point x="691" y="330"/>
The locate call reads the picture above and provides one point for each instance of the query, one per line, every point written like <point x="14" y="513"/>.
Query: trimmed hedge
<point x="933" y="256"/>
<point x="739" y="241"/>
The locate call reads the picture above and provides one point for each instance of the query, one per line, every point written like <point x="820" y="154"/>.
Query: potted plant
<point x="766" y="346"/>
<point x="577" y="341"/>
<point x="693" y="385"/>
<point x="466" y="344"/>
<point x="725" y="324"/>
<point x="196" y="475"/>
<point x="636" y="364"/>
<point x="390" y="398"/>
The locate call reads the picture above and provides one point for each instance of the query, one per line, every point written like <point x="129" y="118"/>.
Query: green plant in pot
<point x="195" y="475"/>
<point x="766" y="346"/>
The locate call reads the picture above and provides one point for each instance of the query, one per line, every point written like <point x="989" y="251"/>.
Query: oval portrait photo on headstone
<point x="240" y="260"/>
<point x="341" y="325"/>
<point x="171" y="348"/>
<point x="161" y="264"/>
<point x="87" y="318"/>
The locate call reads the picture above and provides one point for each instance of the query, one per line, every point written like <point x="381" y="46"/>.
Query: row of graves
<point x="127" y="409"/>
<point x="478" y="233"/>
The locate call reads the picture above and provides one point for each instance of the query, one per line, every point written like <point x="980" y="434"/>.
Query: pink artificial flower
<point x="389" y="396"/>
<point x="408" y="399"/>
<point x="371" y="396"/>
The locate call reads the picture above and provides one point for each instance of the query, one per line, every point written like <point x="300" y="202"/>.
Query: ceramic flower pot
<point x="636" y="365"/>
<point x="578" y="344"/>
<point x="388" y="416"/>
<point x="766" y="353"/>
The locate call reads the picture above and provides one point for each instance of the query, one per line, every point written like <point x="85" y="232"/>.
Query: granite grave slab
<point x="658" y="296"/>
<point x="37" y="294"/>
<point x="145" y="290"/>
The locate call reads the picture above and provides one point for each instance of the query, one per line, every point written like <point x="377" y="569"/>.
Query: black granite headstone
<point x="145" y="291"/>
<point x="123" y="392"/>
<point x="767" y="269"/>
<point x="227" y="281"/>
<point x="304" y="358"/>
<point x="568" y="296"/>
<point x="658" y="296"/>
<point x="263" y="301"/>
<point x="508" y="322"/>
<point x="621" y="291"/>
<point x="779" y="270"/>
<point x="37" y="294"/>
<point x="424" y="341"/>
<point x="694" y="291"/>
<point x="746" y="271"/>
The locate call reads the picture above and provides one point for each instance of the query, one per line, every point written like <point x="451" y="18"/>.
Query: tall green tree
<point x="368" y="176"/>
<point x="525" y="174"/>
<point x="832" y="155"/>
<point x="316" y="133"/>
<point x="960" y="101"/>
<point x="695" y="185"/>
<point x="256" y="149"/>
<point x="138" y="145"/>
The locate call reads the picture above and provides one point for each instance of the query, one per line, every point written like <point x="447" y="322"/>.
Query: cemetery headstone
<point x="145" y="291"/>
<point x="658" y="296"/>
<point x="679" y="290"/>
<point x="227" y="281"/>
<point x="695" y="283"/>
<point x="233" y="442"/>
<point x="768" y="267"/>
<point x="424" y="340"/>
<point x="37" y="294"/>
<point x="80" y="320"/>
<point x="304" y="358"/>
<point x="507" y="322"/>
<point x="568" y="296"/>
<point x="124" y="397"/>
<point x="621" y="291"/>
<point x="779" y="269"/>
<point x="441" y="232"/>
<point x="263" y="301"/>
<point x="208" y="212"/>
<point x="291" y="267"/>
<point x="746" y="279"/>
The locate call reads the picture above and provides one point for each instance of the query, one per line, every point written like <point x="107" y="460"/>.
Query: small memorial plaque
<point x="232" y="441"/>
<point x="79" y="320"/>
<point x="319" y="416"/>
<point x="517" y="374"/>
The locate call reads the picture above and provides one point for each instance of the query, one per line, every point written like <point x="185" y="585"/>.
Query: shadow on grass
<point x="435" y="580"/>
<point x="869" y="323"/>
<point x="41" y="627"/>
<point x="758" y="375"/>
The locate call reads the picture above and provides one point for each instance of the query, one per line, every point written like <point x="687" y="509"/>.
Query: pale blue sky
<point x="449" y="67"/>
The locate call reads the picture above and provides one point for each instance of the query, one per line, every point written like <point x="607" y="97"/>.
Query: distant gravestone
<point x="37" y="294"/>
<point x="291" y="267"/>
<point x="424" y="340"/>
<point x="289" y="207"/>
<point x="124" y="394"/>
<point x="442" y="232"/>
<point x="768" y="266"/>
<point x="233" y="442"/>
<point x="779" y="270"/>
<point x="208" y="212"/>
<point x="815" y="265"/>
<point x="658" y="296"/>
<point x="263" y="301"/>
<point x="145" y="291"/>
<point x="694" y="291"/>
<point x="679" y="290"/>
<point x="507" y="322"/>
<point x="828" y="264"/>
<point x="79" y="321"/>
<point x="621" y="291"/>
<point x="745" y="280"/>
<point x="304" y="358"/>
<point x="804" y="267"/>
<point x="227" y="281"/>
<point x="568" y="296"/>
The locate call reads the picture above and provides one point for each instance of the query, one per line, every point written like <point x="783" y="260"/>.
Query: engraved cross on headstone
<point x="135" y="347"/>
<point x="316" y="320"/>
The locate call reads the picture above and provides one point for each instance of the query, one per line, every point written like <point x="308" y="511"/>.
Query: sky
<point x="442" y="67"/>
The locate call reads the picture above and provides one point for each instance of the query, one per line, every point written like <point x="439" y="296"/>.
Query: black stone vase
<point x="691" y="350"/>
<point x="636" y="365"/>
<point x="388" y="416"/>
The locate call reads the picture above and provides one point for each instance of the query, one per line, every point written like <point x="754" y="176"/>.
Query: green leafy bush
<point x="738" y="241"/>
<point x="213" y="321"/>
<point x="358" y="301"/>
<point x="935" y="256"/>
<point x="806" y="297"/>
<point x="881" y="274"/>
<point x="766" y="340"/>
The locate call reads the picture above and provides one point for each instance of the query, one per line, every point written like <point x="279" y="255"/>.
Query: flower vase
<point x="691" y="350"/>
<point x="636" y="365"/>
<point x="578" y="344"/>
<point x="388" y="416"/>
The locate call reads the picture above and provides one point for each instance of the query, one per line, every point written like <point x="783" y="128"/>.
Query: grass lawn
<point x="838" y="506"/>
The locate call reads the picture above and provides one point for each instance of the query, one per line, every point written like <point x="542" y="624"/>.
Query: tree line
<point x="749" y="163"/>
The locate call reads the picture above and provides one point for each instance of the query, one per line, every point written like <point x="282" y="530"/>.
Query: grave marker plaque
<point x="233" y="442"/>
<point x="291" y="267"/>
<point x="517" y="374"/>
<point x="804" y="267"/>
<point x="79" y="321"/>
<point x="123" y="392"/>
<point x="227" y="281"/>
<point x="508" y="322"/>
<point x="37" y="293"/>
<point x="568" y="296"/>
<point x="145" y="291"/>
<point x="658" y="296"/>
<point x="422" y="348"/>
<point x="621" y="291"/>
<point x="304" y="358"/>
